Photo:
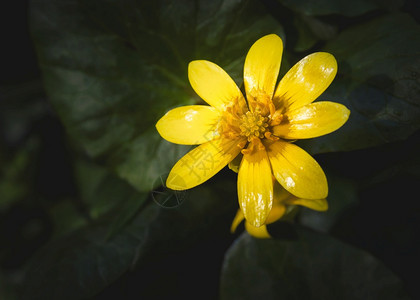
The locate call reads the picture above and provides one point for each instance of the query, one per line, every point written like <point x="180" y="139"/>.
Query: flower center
<point x="252" y="124"/>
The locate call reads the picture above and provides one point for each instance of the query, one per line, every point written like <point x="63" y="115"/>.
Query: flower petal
<point x="279" y="199"/>
<point x="315" y="204"/>
<point x="280" y="193"/>
<point x="257" y="232"/>
<point x="262" y="65"/>
<point x="202" y="163"/>
<point x="305" y="81"/>
<point x="313" y="120"/>
<point x="189" y="125"/>
<point x="212" y="83"/>
<point x="276" y="213"/>
<point x="297" y="171"/>
<point x="235" y="163"/>
<point x="239" y="217"/>
<point x="255" y="187"/>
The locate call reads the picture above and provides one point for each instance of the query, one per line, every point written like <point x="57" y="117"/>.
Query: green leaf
<point x="305" y="37"/>
<point x="81" y="264"/>
<point x="16" y="174"/>
<point x="312" y="266"/>
<point x="101" y="190"/>
<point x="113" y="68"/>
<point x="377" y="80"/>
<point x="66" y="218"/>
<point x="342" y="196"/>
<point x="105" y="194"/>
<point x="341" y="7"/>
<point x="310" y="30"/>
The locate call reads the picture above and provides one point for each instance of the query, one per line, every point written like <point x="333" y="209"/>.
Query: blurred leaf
<point x="343" y="195"/>
<point x="113" y="68"/>
<point x="379" y="66"/>
<point x="305" y="37"/>
<point x="91" y="181"/>
<point x="80" y="265"/>
<point x="66" y="218"/>
<point x="126" y="211"/>
<point x="312" y="266"/>
<point x="105" y="194"/>
<point x="341" y="7"/>
<point x="14" y="182"/>
<point x="21" y="106"/>
<point x="320" y="29"/>
<point x="405" y="161"/>
<point x="100" y="190"/>
<point x="311" y="30"/>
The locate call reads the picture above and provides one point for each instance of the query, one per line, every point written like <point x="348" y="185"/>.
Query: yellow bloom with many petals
<point x="284" y="204"/>
<point x="262" y="128"/>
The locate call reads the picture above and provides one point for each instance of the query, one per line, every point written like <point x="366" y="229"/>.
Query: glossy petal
<point x="257" y="232"/>
<point x="212" y="83"/>
<point x="297" y="171"/>
<point x="276" y="213"/>
<point x="305" y="81"/>
<point x="189" y="125"/>
<point x="313" y="120"/>
<point x="234" y="164"/>
<point x="262" y="65"/>
<point x="280" y="196"/>
<point x="255" y="187"/>
<point x="202" y="163"/>
<point x="315" y="204"/>
<point x="239" y="217"/>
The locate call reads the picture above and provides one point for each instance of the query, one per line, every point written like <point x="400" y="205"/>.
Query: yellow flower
<point x="262" y="128"/>
<point x="284" y="204"/>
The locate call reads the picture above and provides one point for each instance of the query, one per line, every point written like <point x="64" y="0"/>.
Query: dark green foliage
<point x="81" y="173"/>
<point x="307" y="266"/>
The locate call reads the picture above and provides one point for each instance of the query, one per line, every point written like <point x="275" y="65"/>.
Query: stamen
<point x="268" y="135"/>
<point x="255" y="144"/>
<point x="259" y="102"/>
<point x="276" y="118"/>
<point x="253" y="125"/>
<point x="241" y="144"/>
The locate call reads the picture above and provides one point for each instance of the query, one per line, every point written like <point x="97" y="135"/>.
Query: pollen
<point x="252" y="124"/>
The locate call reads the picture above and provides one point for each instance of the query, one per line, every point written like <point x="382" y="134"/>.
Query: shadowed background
<point x="82" y="85"/>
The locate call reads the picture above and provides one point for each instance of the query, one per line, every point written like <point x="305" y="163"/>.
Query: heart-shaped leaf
<point x="113" y="68"/>
<point x="377" y="80"/>
<point x="311" y="266"/>
<point x="81" y="264"/>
